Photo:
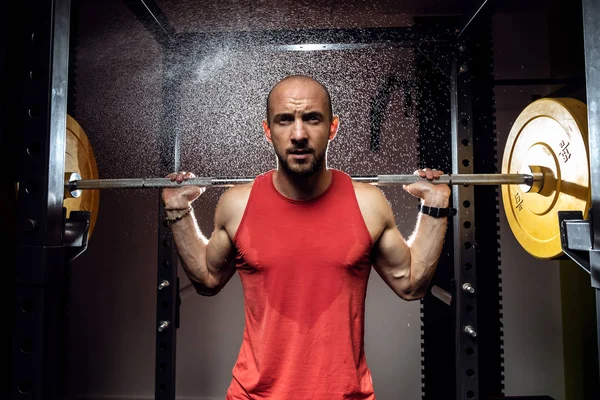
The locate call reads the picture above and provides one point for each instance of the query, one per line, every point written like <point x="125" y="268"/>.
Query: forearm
<point x="425" y="245"/>
<point x="191" y="246"/>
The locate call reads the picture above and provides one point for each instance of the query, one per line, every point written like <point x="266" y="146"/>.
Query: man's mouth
<point x="300" y="154"/>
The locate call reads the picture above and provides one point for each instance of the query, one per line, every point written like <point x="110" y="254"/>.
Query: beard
<point x="301" y="168"/>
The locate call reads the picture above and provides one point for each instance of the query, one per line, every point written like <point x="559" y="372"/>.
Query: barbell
<point x="545" y="169"/>
<point x="74" y="184"/>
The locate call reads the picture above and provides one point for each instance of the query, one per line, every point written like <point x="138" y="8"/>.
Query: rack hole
<point x="26" y="345"/>
<point x="34" y="111"/>
<point x="469" y="308"/>
<point x="470" y="373"/>
<point x="470" y="394"/>
<point x="24" y="386"/>
<point x="465" y="142"/>
<point x="466" y="204"/>
<point x="34" y="150"/>
<point x="467" y="224"/>
<point x="165" y="243"/>
<point x="162" y="366"/>
<point x="162" y="346"/>
<point x="32" y="187"/>
<point x="27" y="305"/>
<point x="164" y="304"/>
<point x="36" y="37"/>
<point x="165" y="263"/>
<point x="468" y="266"/>
<point x="469" y="351"/>
<point x="468" y="245"/>
<point x="162" y="387"/>
<point x="466" y="163"/>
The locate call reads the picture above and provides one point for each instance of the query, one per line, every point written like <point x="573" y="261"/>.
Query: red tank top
<point x="304" y="267"/>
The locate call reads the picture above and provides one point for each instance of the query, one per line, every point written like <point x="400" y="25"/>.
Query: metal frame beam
<point x="591" y="32"/>
<point x="465" y="266"/>
<point x="432" y="103"/>
<point x="153" y="19"/>
<point x="581" y="238"/>
<point x="41" y="278"/>
<point x="319" y="39"/>
<point x="168" y="300"/>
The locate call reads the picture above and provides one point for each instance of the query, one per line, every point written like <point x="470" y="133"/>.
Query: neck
<point x="302" y="188"/>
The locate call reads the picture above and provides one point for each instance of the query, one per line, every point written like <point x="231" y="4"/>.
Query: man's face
<point x="300" y="126"/>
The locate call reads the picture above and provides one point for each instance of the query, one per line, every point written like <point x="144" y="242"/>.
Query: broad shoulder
<point x="369" y="195"/>
<point x="374" y="207"/>
<point x="236" y="194"/>
<point x="232" y="204"/>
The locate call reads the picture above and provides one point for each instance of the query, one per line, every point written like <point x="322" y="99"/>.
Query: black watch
<point x="436" y="212"/>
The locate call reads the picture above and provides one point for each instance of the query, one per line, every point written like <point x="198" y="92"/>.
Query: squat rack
<point x="47" y="241"/>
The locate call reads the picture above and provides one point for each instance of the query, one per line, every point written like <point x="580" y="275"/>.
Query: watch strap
<point x="436" y="212"/>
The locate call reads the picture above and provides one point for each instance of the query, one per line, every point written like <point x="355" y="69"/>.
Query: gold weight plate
<point x="79" y="158"/>
<point x="552" y="134"/>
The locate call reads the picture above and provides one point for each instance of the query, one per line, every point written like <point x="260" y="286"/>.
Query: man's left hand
<point x="433" y="195"/>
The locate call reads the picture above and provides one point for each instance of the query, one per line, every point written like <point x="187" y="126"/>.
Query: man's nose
<point x="299" y="131"/>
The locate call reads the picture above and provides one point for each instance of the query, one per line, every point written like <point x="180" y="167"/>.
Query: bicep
<point x="220" y="255"/>
<point x="392" y="256"/>
<point x="220" y="251"/>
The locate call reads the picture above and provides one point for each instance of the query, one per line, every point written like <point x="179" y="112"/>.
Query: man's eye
<point x="285" y="118"/>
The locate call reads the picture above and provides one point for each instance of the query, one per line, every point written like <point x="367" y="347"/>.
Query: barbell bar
<point x="74" y="185"/>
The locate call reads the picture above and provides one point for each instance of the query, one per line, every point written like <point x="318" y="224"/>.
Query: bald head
<point x="294" y="81"/>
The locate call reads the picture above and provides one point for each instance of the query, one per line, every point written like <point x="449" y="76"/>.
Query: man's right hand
<point x="181" y="198"/>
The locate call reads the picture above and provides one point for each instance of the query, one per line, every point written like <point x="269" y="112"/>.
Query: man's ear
<point x="267" y="129"/>
<point x="334" y="126"/>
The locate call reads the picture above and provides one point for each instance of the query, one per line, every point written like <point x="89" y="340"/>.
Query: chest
<point x="306" y="238"/>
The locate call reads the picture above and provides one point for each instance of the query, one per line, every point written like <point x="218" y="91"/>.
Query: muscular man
<point x="303" y="239"/>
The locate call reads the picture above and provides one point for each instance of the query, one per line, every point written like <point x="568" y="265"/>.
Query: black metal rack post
<point x="434" y="150"/>
<point x="591" y="30"/>
<point x="154" y="21"/>
<point x="41" y="265"/>
<point x="465" y="293"/>
<point x="167" y="299"/>
<point x="167" y="312"/>
<point x="580" y="238"/>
